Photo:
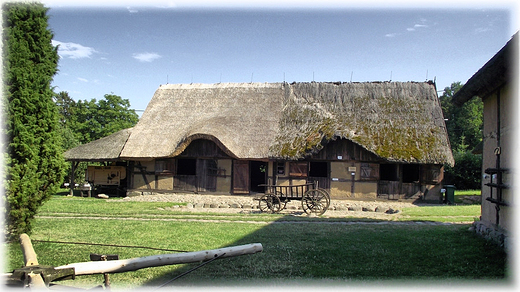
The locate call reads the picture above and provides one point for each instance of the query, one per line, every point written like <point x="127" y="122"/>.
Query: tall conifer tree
<point x="34" y="161"/>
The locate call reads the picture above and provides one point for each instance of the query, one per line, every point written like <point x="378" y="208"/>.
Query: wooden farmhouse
<point x="371" y="140"/>
<point x="495" y="84"/>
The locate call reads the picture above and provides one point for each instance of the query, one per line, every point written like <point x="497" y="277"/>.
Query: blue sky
<point x="131" y="48"/>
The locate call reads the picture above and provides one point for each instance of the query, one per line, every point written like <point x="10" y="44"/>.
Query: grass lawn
<point x="296" y="251"/>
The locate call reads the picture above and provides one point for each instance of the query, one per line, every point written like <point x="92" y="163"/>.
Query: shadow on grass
<point x="325" y="253"/>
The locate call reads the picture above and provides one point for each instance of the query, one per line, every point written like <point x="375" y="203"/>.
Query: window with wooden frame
<point x="165" y="166"/>
<point x="369" y="171"/>
<point x="298" y="169"/>
<point x="432" y="174"/>
<point x="280" y="168"/>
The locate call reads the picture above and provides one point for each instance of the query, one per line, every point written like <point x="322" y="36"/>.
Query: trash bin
<point x="450" y="194"/>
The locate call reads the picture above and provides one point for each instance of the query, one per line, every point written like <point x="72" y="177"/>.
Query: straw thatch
<point x="104" y="149"/>
<point x="400" y="122"/>
<point x="501" y="68"/>
<point x="240" y="117"/>
<point x="397" y="121"/>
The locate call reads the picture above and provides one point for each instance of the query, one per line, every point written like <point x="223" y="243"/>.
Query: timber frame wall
<point x="342" y="167"/>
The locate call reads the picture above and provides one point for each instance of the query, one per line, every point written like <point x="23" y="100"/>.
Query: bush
<point x="467" y="172"/>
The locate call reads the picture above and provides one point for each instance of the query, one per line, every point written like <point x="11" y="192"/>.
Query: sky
<point x="130" y="48"/>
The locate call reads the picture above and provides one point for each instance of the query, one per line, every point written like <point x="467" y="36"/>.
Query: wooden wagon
<point x="313" y="199"/>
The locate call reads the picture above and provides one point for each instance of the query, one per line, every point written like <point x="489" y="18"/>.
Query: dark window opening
<point x="186" y="166"/>
<point x="388" y="172"/>
<point x="411" y="173"/>
<point x="258" y="172"/>
<point x="318" y="169"/>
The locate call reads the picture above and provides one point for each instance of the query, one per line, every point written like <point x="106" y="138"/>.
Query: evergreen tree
<point x="34" y="160"/>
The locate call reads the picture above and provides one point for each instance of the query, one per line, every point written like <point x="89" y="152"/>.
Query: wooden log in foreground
<point x="119" y="266"/>
<point x="30" y="259"/>
<point x="29" y="256"/>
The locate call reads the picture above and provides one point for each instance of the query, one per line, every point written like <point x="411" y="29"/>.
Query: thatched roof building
<point x="397" y="121"/>
<point x="104" y="149"/>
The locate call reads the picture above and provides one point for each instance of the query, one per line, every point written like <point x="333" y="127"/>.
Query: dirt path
<point x="382" y="210"/>
<point x="383" y="222"/>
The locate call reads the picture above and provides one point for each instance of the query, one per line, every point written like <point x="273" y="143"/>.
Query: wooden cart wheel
<point x="270" y="203"/>
<point x="283" y="203"/>
<point x="315" y="201"/>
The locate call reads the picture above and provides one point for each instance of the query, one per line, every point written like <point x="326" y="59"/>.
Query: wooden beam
<point x="119" y="266"/>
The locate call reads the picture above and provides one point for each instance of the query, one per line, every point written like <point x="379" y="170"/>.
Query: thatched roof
<point x="501" y="68"/>
<point x="400" y="122"/>
<point x="104" y="149"/>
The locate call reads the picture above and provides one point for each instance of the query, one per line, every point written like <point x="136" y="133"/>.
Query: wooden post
<point x="74" y="165"/>
<point x="29" y="257"/>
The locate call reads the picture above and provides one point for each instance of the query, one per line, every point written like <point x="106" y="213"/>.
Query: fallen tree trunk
<point x="119" y="266"/>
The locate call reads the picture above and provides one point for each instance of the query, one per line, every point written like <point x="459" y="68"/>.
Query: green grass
<point x="467" y="192"/>
<point x="463" y="213"/>
<point x="295" y="252"/>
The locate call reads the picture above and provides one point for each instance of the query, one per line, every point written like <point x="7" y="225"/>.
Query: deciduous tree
<point x="92" y="120"/>
<point x="464" y="126"/>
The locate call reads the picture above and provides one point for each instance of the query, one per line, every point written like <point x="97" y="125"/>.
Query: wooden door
<point x="240" y="177"/>
<point x="207" y="175"/>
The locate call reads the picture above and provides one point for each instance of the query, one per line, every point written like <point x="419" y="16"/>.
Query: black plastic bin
<point x="450" y="194"/>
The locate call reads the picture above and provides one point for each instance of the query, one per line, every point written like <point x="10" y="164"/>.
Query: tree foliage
<point x="34" y="161"/>
<point x="464" y="123"/>
<point x="467" y="172"/>
<point x="92" y="120"/>
<point x="85" y="121"/>
<point x="464" y="126"/>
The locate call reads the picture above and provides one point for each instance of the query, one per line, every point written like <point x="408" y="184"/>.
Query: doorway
<point x="258" y="175"/>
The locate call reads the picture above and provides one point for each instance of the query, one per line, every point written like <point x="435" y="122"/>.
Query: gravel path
<point x="247" y="204"/>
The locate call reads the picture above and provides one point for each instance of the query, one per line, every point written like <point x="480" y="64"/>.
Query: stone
<point x="102" y="196"/>
<point x="235" y="206"/>
<point x="369" y="209"/>
<point x="341" y="208"/>
<point x="134" y="194"/>
<point x="380" y="209"/>
<point x="355" y="208"/>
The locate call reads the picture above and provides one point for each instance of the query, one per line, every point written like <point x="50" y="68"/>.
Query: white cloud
<point x="482" y="29"/>
<point x="73" y="50"/>
<point x="416" y="26"/>
<point x="146" y="57"/>
<point x="132" y="10"/>
<point x="82" y="79"/>
<point x="390" y="35"/>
